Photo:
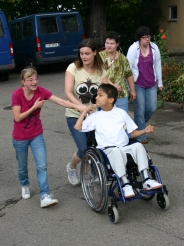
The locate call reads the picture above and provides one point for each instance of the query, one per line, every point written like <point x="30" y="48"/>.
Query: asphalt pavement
<point x="72" y="221"/>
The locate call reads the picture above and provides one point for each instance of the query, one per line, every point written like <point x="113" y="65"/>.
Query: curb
<point x="171" y="105"/>
<point x="167" y="105"/>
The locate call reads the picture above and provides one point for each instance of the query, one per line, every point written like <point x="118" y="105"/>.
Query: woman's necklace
<point x="106" y="66"/>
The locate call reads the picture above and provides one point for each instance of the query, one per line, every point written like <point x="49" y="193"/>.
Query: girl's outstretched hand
<point x="87" y="109"/>
<point x="81" y="107"/>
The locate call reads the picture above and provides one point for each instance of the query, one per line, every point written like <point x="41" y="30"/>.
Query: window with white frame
<point x="173" y="13"/>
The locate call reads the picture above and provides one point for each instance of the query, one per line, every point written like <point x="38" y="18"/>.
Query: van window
<point x="15" y="30"/>
<point x="70" y="23"/>
<point x="1" y="30"/>
<point x="48" y="25"/>
<point x="27" y="28"/>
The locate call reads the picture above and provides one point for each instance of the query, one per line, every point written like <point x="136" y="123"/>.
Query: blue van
<point x="46" y="38"/>
<point x="6" y="49"/>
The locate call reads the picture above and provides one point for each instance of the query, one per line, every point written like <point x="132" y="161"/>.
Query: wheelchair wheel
<point x="113" y="214"/>
<point x="94" y="180"/>
<point x="162" y="200"/>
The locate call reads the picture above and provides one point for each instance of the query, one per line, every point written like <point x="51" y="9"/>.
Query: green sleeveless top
<point x="117" y="71"/>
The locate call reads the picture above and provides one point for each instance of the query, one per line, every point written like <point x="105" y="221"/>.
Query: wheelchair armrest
<point x="91" y="141"/>
<point x="132" y="141"/>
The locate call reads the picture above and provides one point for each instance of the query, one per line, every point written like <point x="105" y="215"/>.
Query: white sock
<point x="124" y="179"/>
<point x="144" y="174"/>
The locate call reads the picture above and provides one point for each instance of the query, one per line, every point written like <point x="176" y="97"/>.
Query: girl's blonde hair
<point x="27" y="72"/>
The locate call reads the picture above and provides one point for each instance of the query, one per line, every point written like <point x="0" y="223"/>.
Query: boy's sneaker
<point x="47" y="200"/>
<point x="26" y="192"/>
<point x="128" y="191"/>
<point x="72" y="175"/>
<point x="151" y="184"/>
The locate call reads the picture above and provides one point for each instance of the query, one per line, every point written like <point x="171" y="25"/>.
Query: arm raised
<point x="90" y="108"/>
<point x="66" y="104"/>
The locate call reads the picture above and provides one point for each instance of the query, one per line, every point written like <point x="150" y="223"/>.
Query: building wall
<point x="175" y="42"/>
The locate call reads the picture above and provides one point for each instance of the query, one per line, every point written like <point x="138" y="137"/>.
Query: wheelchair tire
<point x="113" y="214"/>
<point x="163" y="201"/>
<point x="94" y="180"/>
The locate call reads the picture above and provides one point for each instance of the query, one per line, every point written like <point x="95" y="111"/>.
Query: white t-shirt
<point x="109" y="127"/>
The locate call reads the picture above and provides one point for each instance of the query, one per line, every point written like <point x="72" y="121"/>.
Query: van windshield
<point x="1" y="29"/>
<point x="48" y="25"/>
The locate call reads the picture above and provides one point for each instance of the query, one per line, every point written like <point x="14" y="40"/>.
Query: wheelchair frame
<point x="100" y="182"/>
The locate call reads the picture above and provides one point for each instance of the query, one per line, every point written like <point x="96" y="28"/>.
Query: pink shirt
<point x="31" y="126"/>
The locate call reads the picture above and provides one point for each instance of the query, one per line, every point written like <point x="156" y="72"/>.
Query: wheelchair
<point x="99" y="182"/>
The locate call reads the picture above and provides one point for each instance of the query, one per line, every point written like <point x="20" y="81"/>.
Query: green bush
<point x="172" y="73"/>
<point x="173" y="81"/>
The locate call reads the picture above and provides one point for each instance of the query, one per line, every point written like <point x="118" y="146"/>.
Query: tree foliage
<point x="125" y="19"/>
<point x="123" y="16"/>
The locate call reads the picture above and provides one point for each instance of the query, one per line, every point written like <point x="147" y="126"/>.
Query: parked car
<point x="6" y="49"/>
<point x="46" y="38"/>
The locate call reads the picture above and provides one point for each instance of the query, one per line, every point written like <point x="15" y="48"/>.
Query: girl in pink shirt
<point x="27" y="102"/>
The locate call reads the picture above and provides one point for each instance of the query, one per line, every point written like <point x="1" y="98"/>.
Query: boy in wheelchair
<point x="112" y="138"/>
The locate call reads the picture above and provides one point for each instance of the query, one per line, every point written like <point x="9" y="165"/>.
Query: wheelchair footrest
<point x="137" y="185"/>
<point x="150" y="192"/>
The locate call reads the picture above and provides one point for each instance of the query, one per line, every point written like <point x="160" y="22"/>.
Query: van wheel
<point x="30" y="63"/>
<point x="4" y="75"/>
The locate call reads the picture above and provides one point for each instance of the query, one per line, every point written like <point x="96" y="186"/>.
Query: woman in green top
<point x="118" y="69"/>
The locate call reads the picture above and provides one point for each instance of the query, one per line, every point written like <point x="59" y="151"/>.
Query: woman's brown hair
<point x="98" y="64"/>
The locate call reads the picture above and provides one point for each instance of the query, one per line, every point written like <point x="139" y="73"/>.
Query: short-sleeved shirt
<point x="109" y="127"/>
<point x="117" y="71"/>
<point x="31" y="126"/>
<point x="86" y="85"/>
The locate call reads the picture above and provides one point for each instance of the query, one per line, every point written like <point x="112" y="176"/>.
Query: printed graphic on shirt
<point x="32" y="116"/>
<point x="86" y="90"/>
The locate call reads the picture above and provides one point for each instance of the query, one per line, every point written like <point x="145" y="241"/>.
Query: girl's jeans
<point x="38" y="149"/>
<point x="145" y="105"/>
<point x="80" y="138"/>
